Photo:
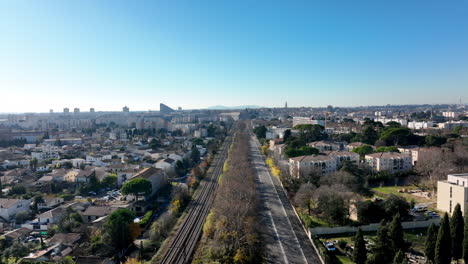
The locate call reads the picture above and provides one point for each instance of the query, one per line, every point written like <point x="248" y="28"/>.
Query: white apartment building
<point x="450" y="114"/>
<point x="46" y="152"/>
<point x="452" y="191"/>
<point x="389" y="161"/>
<point x="307" y="121"/>
<point x="384" y="121"/>
<point x="304" y="165"/>
<point x="420" y="125"/>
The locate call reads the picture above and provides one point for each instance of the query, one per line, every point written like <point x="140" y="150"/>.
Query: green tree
<point x="360" y="251"/>
<point x="117" y="227"/>
<point x="195" y="155"/>
<point x="363" y="150"/>
<point x="457" y="228"/>
<point x="368" y="135"/>
<point x="434" y="141"/>
<point x="443" y="249"/>
<point x="387" y="149"/>
<point x="137" y="187"/>
<point x="396" y="136"/>
<point x="396" y="235"/>
<point x="465" y="240"/>
<point x="429" y="246"/>
<point x="286" y="135"/>
<point x="399" y="258"/>
<point x="260" y="131"/>
<point x="382" y="251"/>
<point x="110" y="181"/>
<point x="180" y="168"/>
<point x="309" y="133"/>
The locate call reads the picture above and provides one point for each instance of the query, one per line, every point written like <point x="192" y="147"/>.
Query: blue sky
<point x="194" y="54"/>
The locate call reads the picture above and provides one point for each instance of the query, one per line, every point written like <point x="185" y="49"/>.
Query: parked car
<point x="330" y="247"/>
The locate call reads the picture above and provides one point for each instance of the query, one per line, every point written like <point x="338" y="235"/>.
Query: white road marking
<point x="282" y="205"/>
<point x="279" y="240"/>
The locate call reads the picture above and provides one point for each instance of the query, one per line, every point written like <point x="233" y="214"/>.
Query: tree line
<point x="231" y="231"/>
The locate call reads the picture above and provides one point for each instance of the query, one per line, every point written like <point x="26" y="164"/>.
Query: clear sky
<point x="195" y="53"/>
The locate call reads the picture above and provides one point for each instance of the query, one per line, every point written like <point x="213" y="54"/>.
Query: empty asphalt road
<point x="285" y="239"/>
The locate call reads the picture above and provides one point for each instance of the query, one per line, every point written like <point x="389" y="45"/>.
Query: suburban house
<point x="304" y="165"/>
<point x="154" y="175"/>
<point x="389" y="161"/>
<point x="453" y="191"/>
<point x="167" y="165"/>
<point x="10" y="207"/>
<point x="50" y="202"/>
<point x="79" y="176"/>
<point x="94" y="212"/>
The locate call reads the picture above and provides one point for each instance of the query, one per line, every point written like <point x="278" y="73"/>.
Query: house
<point x="51" y="254"/>
<point x="68" y="239"/>
<point x="58" y="175"/>
<point x="341" y="156"/>
<point x="10" y="207"/>
<point x="389" y="161"/>
<point x="167" y="165"/>
<point x="50" y="202"/>
<point x="94" y="212"/>
<point x="52" y="216"/>
<point x="304" y="165"/>
<point x="154" y="175"/>
<point x="17" y="234"/>
<point x="325" y="145"/>
<point x="79" y="176"/>
<point x="453" y="191"/>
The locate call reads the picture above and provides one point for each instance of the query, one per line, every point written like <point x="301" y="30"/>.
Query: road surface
<point x="284" y="238"/>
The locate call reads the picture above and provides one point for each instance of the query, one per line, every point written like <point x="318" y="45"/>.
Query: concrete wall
<point x="370" y="227"/>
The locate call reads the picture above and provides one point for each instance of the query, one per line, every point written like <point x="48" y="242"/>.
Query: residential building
<point x="94" y="212"/>
<point x="10" y="207"/>
<point x="307" y="121"/>
<point x="341" y="156"/>
<point x="326" y="145"/>
<point x="453" y="191"/>
<point x="303" y="165"/>
<point x="389" y="161"/>
<point x="420" y="125"/>
<point x="79" y="176"/>
<point x="154" y="175"/>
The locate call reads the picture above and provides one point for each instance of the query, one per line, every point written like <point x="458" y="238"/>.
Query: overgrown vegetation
<point x="231" y="232"/>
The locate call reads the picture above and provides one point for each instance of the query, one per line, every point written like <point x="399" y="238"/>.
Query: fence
<point x="369" y="228"/>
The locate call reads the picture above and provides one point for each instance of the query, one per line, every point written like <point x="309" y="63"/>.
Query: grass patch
<point x="344" y="259"/>
<point x="395" y="190"/>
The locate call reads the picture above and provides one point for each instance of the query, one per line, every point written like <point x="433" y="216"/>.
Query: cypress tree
<point x="399" y="258"/>
<point x="443" y="249"/>
<point x="457" y="228"/>
<point x="465" y="240"/>
<point x="396" y="235"/>
<point x="429" y="247"/>
<point x="360" y="251"/>
<point x="382" y="252"/>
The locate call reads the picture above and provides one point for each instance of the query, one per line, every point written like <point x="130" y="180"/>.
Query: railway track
<point x="183" y="244"/>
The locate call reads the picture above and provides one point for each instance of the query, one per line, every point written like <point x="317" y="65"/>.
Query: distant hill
<point x="222" y="107"/>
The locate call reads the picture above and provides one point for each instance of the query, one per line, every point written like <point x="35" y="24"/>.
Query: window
<point x="450" y="209"/>
<point x="450" y="194"/>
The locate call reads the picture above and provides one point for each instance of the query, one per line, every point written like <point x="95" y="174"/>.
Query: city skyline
<point x="196" y="55"/>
